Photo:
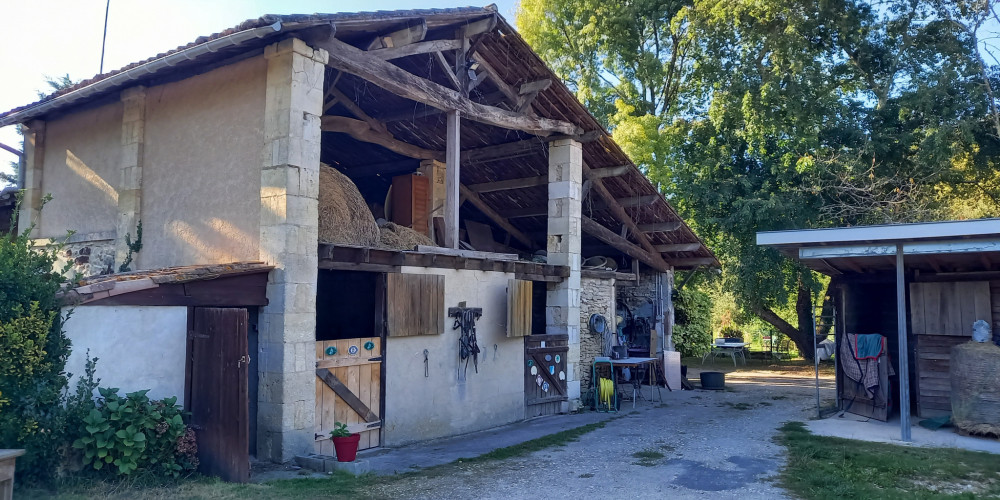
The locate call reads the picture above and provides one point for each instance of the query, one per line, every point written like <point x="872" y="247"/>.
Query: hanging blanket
<point x="869" y="346"/>
<point x="861" y="365"/>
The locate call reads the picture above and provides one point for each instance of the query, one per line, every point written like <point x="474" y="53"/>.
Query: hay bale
<point x="398" y="237"/>
<point x="975" y="388"/>
<point x="344" y="217"/>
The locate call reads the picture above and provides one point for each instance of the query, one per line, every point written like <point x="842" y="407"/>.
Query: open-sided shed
<point x="921" y="285"/>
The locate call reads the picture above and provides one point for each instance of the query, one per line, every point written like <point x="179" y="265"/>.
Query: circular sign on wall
<point x="369" y="345"/>
<point x="331" y="351"/>
<point x="353" y="350"/>
<point x="534" y="370"/>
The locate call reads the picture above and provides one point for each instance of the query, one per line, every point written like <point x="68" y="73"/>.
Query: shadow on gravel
<point x="697" y="476"/>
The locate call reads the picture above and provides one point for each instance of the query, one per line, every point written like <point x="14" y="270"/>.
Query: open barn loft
<point x="458" y="86"/>
<point x="921" y="285"/>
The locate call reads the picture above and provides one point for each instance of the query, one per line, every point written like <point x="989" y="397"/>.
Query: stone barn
<point x="384" y="219"/>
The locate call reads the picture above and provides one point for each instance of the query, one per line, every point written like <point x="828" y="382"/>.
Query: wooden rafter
<point x="356" y="110"/>
<point x="521" y="182"/>
<point x="347" y="58"/>
<point x="406" y="36"/>
<point x="692" y="262"/>
<point x="473" y="197"/>
<point x="416" y="48"/>
<point x="655" y="259"/>
<point x="593" y="228"/>
<point x="678" y="247"/>
<point x="446" y="68"/>
<point x="528" y="92"/>
<point x="363" y="132"/>
<point x="660" y="227"/>
<point x="602" y="173"/>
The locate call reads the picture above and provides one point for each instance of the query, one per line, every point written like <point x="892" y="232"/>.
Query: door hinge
<point x="377" y="358"/>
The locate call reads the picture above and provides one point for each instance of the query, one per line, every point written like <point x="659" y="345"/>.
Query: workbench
<point x="630" y="362"/>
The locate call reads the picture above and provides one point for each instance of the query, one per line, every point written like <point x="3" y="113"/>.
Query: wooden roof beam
<point x="593" y="228"/>
<point x="413" y="49"/>
<point x="473" y="197"/>
<point x="692" y="262"/>
<point x="678" y="247"/>
<point x="602" y="173"/>
<point x="522" y="182"/>
<point x="618" y="209"/>
<point x="528" y="92"/>
<point x="363" y="132"/>
<point x="406" y="36"/>
<point x="661" y="227"/>
<point x="394" y="79"/>
<point x="356" y="110"/>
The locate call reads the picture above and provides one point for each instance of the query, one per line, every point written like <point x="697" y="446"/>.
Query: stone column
<point x="562" y="301"/>
<point x="289" y="232"/>
<point x="130" y="185"/>
<point x="34" y="158"/>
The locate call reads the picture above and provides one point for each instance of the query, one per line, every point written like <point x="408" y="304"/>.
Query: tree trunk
<point x="802" y="336"/>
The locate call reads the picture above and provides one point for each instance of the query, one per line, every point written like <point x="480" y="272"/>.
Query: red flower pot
<point x="347" y="447"/>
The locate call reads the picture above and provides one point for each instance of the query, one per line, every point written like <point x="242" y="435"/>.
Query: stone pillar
<point x="130" y="185"/>
<point x="34" y="158"/>
<point x="289" y="232"/>
<point x="562" y="301"/>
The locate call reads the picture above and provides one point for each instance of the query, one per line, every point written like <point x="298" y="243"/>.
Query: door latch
<point x="243" y="359"/>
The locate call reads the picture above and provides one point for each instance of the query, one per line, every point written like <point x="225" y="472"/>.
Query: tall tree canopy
<point x="759" y="115"/>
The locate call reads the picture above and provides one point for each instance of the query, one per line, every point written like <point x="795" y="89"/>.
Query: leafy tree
<point x="787" y="115"/>
<point x="54" y="84"/>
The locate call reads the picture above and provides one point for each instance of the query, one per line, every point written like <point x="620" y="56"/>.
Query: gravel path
<point x="713" y="445"/>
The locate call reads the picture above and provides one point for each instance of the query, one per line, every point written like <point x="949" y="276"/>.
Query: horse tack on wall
<point x="348" y="390"/>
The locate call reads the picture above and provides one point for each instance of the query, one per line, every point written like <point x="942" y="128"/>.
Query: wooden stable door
<point x="544" y="374"/>
<point x="348" y="390"/>
<point x="217" y="391"/>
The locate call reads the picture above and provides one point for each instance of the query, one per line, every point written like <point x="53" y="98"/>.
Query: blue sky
<point x="64" y="36"/>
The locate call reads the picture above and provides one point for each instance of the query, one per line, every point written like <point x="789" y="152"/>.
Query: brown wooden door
<point x="217" y="394"/>
<point x="348" y="390"/>
<point x="544" y="374"/>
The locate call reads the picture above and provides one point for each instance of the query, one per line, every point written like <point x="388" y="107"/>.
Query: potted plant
<point x="344" y="442"/>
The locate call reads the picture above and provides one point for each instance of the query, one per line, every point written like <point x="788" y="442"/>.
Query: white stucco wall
<point x="138" y="347"/>
<point x="450" y="400"/>
<point x="201" y="167"/>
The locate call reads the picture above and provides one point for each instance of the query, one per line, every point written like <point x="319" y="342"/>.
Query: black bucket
<point x="713" y="381"/>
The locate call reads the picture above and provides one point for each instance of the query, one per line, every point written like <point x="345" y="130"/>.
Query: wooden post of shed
<point x="453" y="150"/>
<point x="904" y="350"/>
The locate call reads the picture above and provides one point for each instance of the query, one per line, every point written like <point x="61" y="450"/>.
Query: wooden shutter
<point x="518" y="308"/>
<point x="949" y="308"/>
<point x="415" y="304"/>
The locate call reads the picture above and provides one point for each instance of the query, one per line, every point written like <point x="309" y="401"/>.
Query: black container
<point x="713" y="381"/>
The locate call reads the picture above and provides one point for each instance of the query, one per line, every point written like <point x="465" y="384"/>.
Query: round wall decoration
<point x="534" y="370"/>
<point x="353" y="350"/>
<point x="531" y="362"/>
<point x="552" y="370"/>
<point x="548" y="357"/>
<point x="562" y="375"/>
<point x="538" y="380"/>
<point x="545" y="387"/>
<point x="558" y="358"/>
<point x="331" y="351"/>
<point x="369" y="345"/>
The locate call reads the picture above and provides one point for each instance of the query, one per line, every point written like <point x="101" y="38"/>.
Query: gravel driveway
<point x="714" y="444"/>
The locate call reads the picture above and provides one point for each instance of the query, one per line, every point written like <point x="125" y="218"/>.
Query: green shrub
<point x="731" y="332"/>
<point x="33" y="352"/>
<point x="692" y="321"/>
<point x="132" y="433"/>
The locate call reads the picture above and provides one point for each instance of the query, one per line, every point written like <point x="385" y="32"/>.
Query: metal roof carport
<point x="949" y="248"/>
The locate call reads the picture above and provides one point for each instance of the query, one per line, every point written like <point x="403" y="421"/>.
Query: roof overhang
<point x="947" y="246"/>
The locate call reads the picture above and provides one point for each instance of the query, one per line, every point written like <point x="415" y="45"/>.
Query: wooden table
<point x="630" y="362"/>
<point x="7" y="459"/>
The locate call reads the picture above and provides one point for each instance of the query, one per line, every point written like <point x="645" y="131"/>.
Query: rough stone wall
<point x="597" y="296"/>
<point x="89" y="258"/>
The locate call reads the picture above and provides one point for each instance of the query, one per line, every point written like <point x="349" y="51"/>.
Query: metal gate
<point x="545" y="374"/>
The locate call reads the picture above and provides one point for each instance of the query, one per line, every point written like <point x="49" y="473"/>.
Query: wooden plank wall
<point x="361" y="376"/>
<point x="415" y="304"/>
<point x="519" y="308"/>
<point x="941" y="315"/>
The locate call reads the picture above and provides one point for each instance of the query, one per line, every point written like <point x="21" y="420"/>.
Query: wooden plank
<point x="452" y="181"/>
<point x="356" y="110"/>
<point x="345" y="362"/>
<point x="416" y="304"/>
<point x="678" y="247"/>
<point x="917" y="308"/>
<point x="346" y="395"/>
<point x="519" y="295"/>
<point x="408" y="35"/>
<point x="661" y="227"/>
<point x="552" y="379"/>
<point x="605" y="172"/>
<point x="471" y="254"/>
<point x="413" y="49"/>
<point x="362" y="131"/>
<point x="446" y="69"/>
<point x="519" y="183"/>
<point x="604" y="234"/>
<point x="347" y="58"/>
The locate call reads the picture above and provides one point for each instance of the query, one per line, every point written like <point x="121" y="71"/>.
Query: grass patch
<point x="648" y="457"/>
<point x="335" y="486"/>
<point x="821" y="467"/>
